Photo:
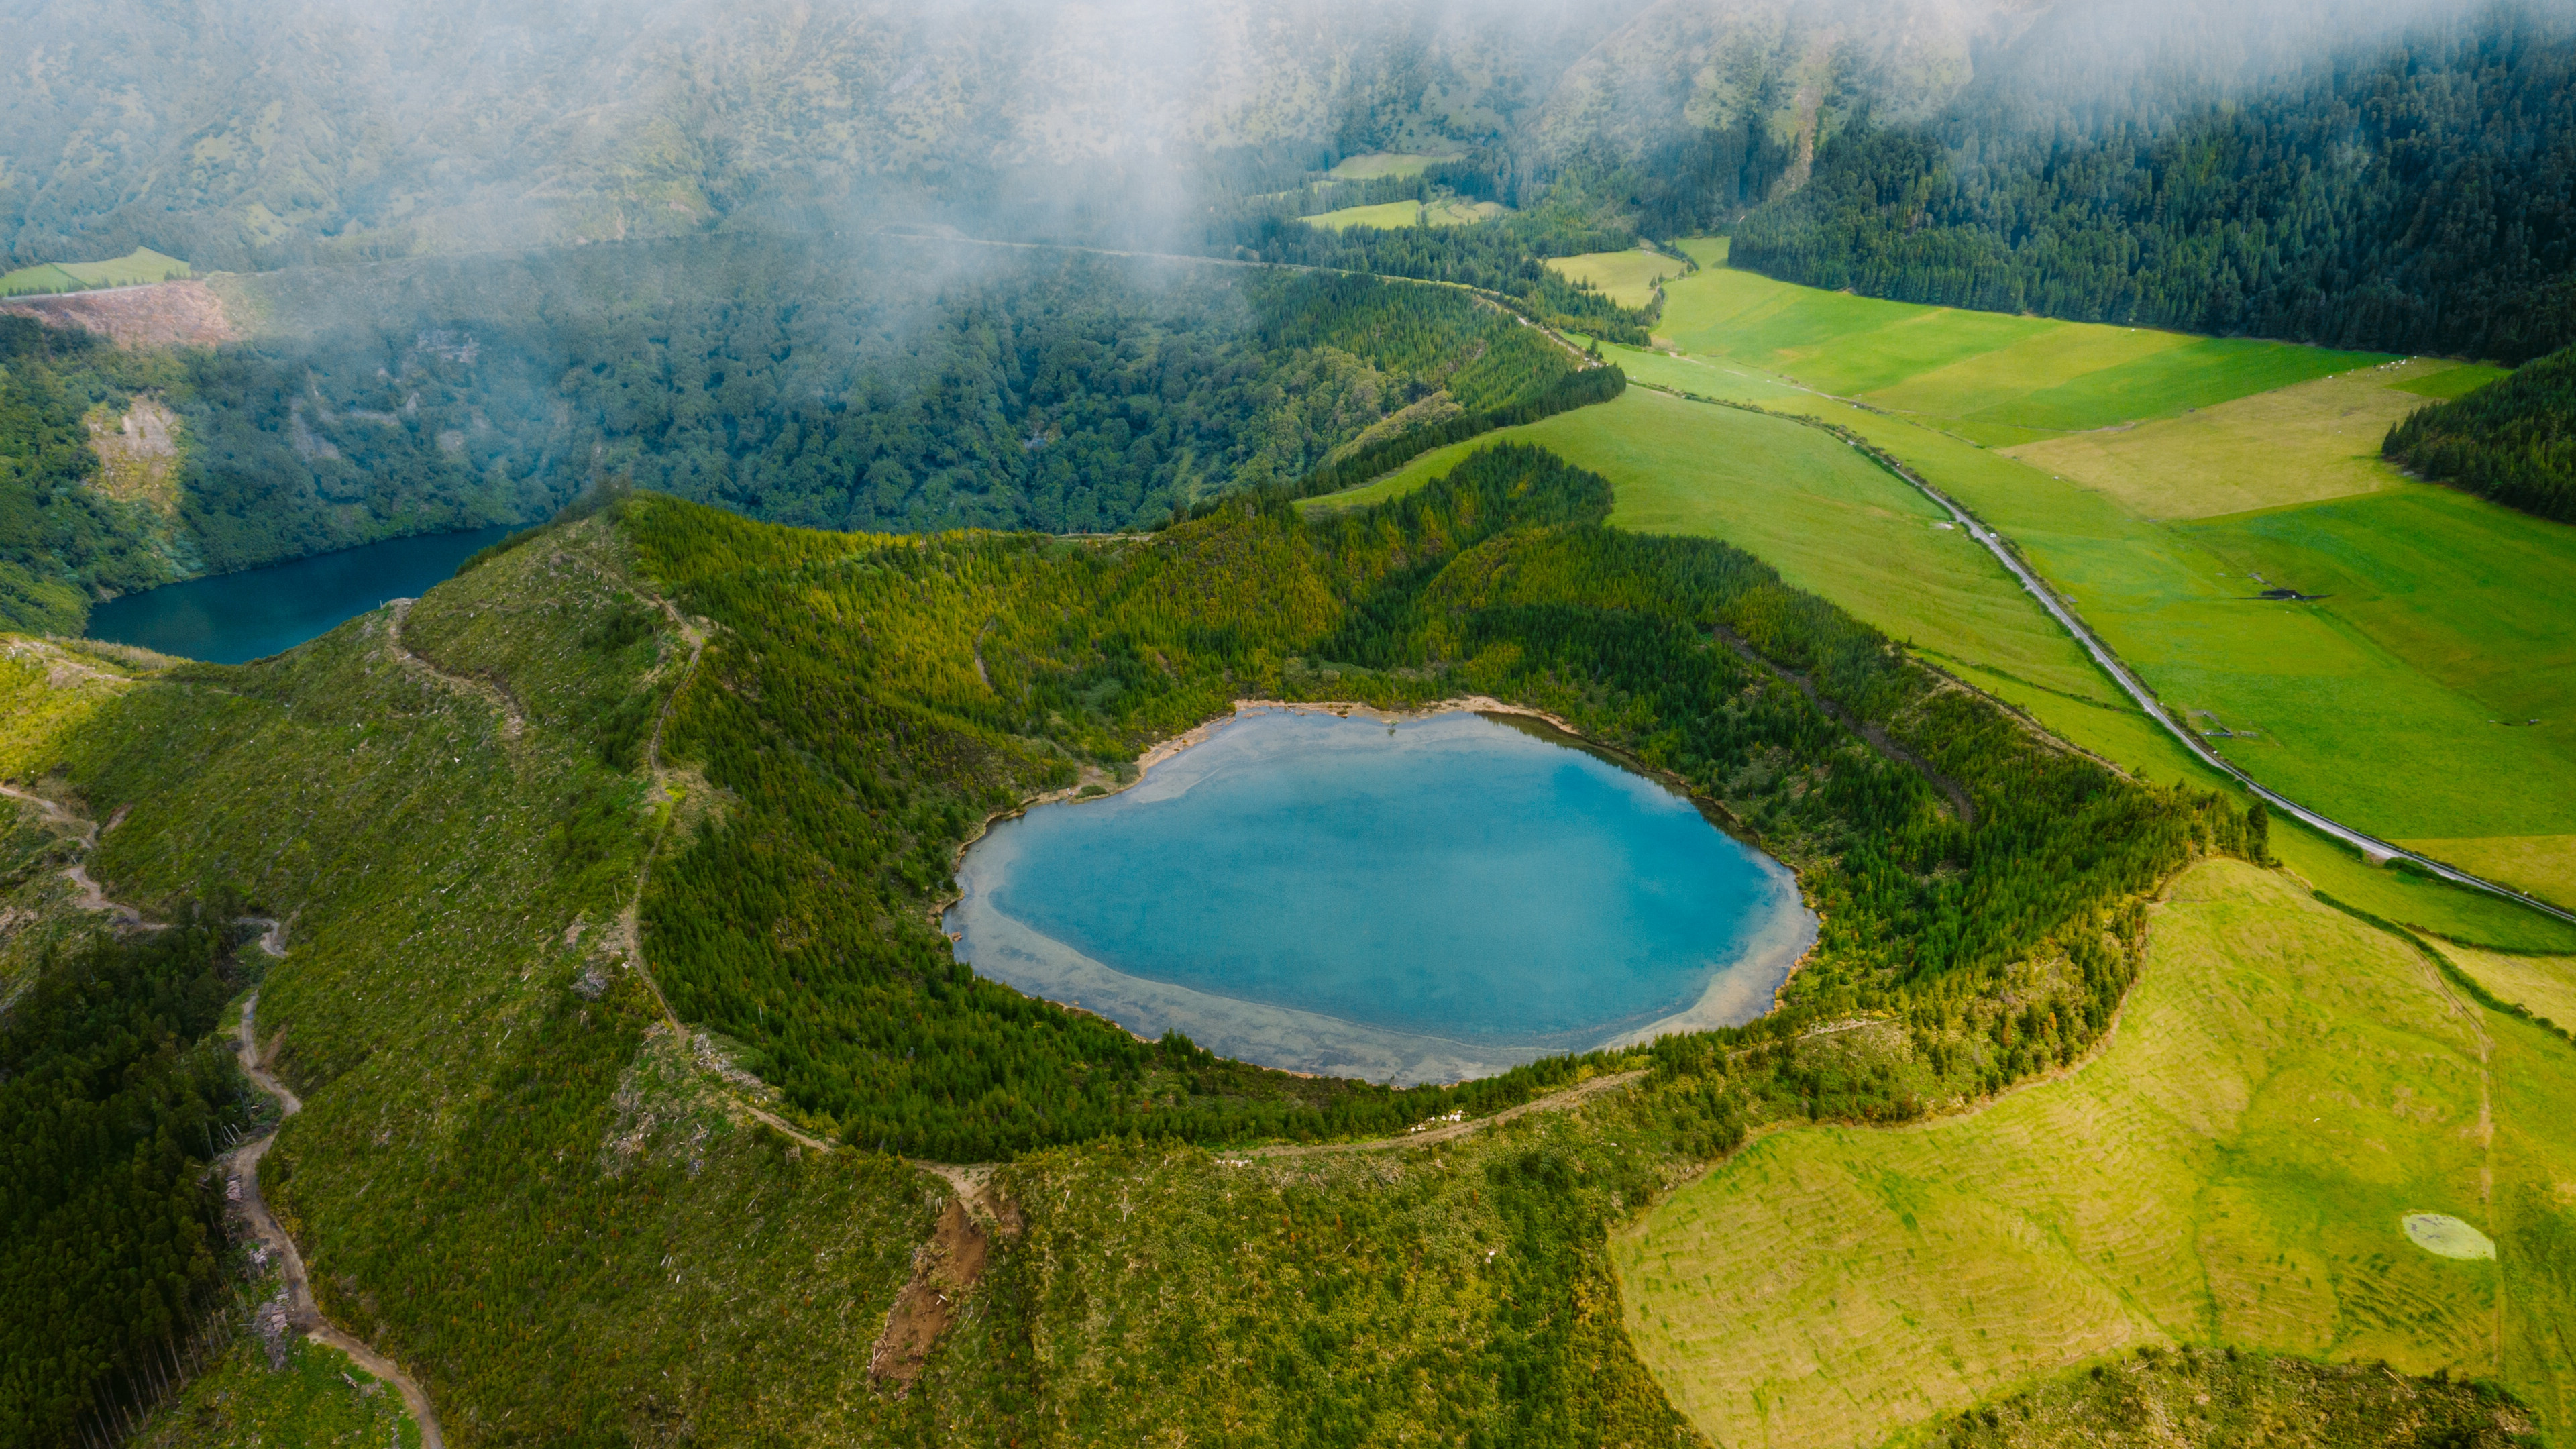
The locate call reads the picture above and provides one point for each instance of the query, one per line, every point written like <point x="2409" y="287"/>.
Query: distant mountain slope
<point x="2410" y="194"/>
<point x="242" y="135"/>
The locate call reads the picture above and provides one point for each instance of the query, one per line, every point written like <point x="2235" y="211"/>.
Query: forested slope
<point x="2410" y="195"/>
<point x="883" y="385"/>
<point x="2513" y="441"/>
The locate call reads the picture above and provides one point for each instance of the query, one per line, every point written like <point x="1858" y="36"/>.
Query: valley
<point x="1689" y="723"/>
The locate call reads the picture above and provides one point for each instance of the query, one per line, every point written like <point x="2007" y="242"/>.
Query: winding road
<point x="2137" y="689"/>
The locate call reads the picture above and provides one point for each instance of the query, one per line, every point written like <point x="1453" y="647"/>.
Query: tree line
<point x="113" y="1101"/>
<point x="2513" y="441"/>
<point x="2411" y="197"/>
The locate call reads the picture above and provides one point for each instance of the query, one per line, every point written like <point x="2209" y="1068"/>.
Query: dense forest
<point x="2513" y="441"/>
<point x="112" y="1102"/>
<point x="870" y="699"/>
<point x="2409" y="196"/>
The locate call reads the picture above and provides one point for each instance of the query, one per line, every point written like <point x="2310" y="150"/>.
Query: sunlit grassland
<point x="1627" y="278"/>
<point x="2284" y="1084"/>
<point x="140" y="265"/>
<point x="1995" y="378"/>
<point x="2374" y="704"/>
<point x="2299" y="444"/>
<point x="2546" y="985"/>
<point x="2544" y="865"/>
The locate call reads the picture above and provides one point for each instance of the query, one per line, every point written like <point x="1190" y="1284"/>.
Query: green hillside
<point x="458" y="864"/>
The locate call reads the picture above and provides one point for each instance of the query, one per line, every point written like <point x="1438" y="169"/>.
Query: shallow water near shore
<point x="235" y="618"/>
<point x="1417" y="900"/>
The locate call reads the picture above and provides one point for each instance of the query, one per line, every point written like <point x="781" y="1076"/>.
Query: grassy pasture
<point x="1385" y="216"/>
<point x="1627" y="278"/>
<point x="1375" y="165"/>
<point x="2545" y="984"/>
<point x="2299" y="444"/>
<point x="2285" y="1084"/>
<point x="1994" y="378"/>
<point x="2544" y="865"/>
<point x="140" y="265"/>
<point x="2373" y="704"/>
<point x="2457" y="380"/>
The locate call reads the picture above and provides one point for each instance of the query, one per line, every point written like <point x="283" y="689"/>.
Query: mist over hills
<point x="248" y="135"/>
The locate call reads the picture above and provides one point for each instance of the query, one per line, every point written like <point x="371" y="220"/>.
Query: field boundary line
<point x="2136" y="688"/>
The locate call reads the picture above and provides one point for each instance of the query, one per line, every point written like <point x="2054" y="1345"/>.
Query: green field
<point x="1994" y="378"/>
<point x="138" y="266"/>
<point x="2299" y="444"/>
<point x="2284" y="1085"/>
<point x="2546" y="985"/>
<point x="2375" y="703"/>
<point x="1627" y="278"/>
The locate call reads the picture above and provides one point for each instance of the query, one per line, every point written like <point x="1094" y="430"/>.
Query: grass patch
<point x="136" y="267"/>
<point x="1397" y="215"/>
<point x="2443" y="614"/>
<point x="2544" y="865"/>
<point x="1627" y="278"/>
<point x="2543" y="985"/>
<point x="2287" y="1083"/>
<point x="1996" y="377"/>
<point x="2458" y="380"/>
<point x="2298" y="444"/>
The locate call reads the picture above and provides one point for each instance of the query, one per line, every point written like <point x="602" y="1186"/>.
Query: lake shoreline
<point x="1784" y="950"/>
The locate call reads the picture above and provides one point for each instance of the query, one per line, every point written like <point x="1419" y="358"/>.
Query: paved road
<point x="2137" y="689"/>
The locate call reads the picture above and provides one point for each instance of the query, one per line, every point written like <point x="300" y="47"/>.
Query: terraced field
<point x="2286" y="1083"/>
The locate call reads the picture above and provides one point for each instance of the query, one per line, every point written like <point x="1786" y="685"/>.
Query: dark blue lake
<point x="1424" y="900"/>
<point x="235" y="618"/>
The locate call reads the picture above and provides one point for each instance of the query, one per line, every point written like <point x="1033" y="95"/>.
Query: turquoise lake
<point x="235" y="618"/>
<point x="1423" y="900"/>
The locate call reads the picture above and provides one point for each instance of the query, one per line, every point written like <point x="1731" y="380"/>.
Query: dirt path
<point x="86" y="832"/>
<point x="1571" y="1097"/>
<point x="242" y="1167"/>
<point x="513" y="724"/>
<point x="630" y="921"/>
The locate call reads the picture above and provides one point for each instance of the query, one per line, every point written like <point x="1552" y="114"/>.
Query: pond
<point x="235" y="618"/>
<point x="1412" y="900"/>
